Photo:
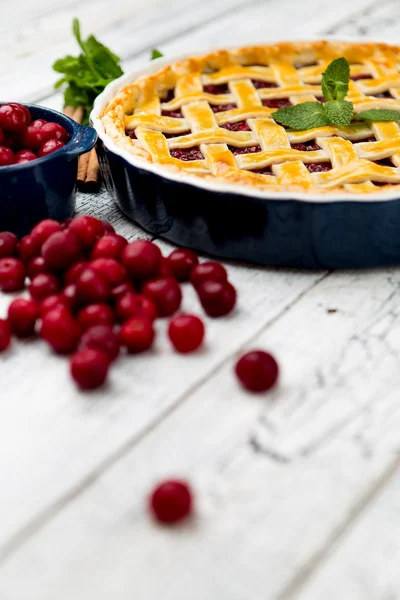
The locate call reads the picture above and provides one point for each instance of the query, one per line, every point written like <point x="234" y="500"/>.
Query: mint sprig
<point x="156" y="54"/>
<point x="85" y="76"/>
<point x="336" y="111"/>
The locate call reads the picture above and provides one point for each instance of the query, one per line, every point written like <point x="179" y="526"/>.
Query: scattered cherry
<point x="92" y="287"/>
<point x="110" y="269"/>
<point x="181" y="263"/>
<point x="218" y="298"/>
<point x="43" y="285"/>
<point x="208" y="271"/>
<point x="109" y="246"/>
<point x="60" y="330"/>
<point x="186" y="332"/>
<point x="137" y="335"/>
<point x="70" y="297"/>
<point x="27" y="248"/>
<point x="165" y="293"/>
<point x="120" y="290"/>
<point x="60" y="250"/>
<point x="5" y="335"/>
<point x="103" y="338"/>
<point x="95" y="314"/>
<point x="171" y="501"/>
<point x="12" y="274"/>
<point x="22" y="316"/>
<point x="8" y="244"/>
<point x="142" y="259"/>
<point x="87" y="230"/>
<point x="89" y="368"/>
<point x="73" y="273"/>
<point x="51" y="302"/>
<point x="257" y="371"/>
<point x="43" y="230"/>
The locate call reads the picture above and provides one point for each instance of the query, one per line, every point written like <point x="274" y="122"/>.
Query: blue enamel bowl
<point x="46" y="187"/>
<point x="282" y="229"/>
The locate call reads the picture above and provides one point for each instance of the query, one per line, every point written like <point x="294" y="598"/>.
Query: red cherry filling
<point x="360" y="76"/>
<point x="177" y="113"/>
<point x="187" y="154"/>
<point x="216" y="89"/>
<point x="239" y="126"/>
<point x="263" y="171"/>
<point x="246" y="150"/>
<point x="223" y="107"/>
<point x="131" y="133"/>
<point x="306" y="146"/>
<point x="319" y="167"/>
<point x="384" y="162"/>
<point x="386" y="94"/>
<point x="276" y="102"/>
<point x="259" y="84"/>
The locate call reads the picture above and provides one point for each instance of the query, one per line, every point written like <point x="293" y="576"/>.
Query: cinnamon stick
<point x="93" y="178"/>
<point x="69" y="111"/>
<point x="82" y="170"/>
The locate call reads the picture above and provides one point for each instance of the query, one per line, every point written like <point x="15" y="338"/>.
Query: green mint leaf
<point x="302" y="116"/>
<point x="335" y="80"/>
<point x="340" y="112"/>
<point x="377" y="114"/>
<point x="156" y="54"/>
<point x="76" y="30"/>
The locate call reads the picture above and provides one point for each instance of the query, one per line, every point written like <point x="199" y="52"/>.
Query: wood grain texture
<point x="286" y="484"/>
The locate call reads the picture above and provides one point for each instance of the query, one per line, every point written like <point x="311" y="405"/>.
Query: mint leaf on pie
<point x="378" y="114"/>
<point x="339" y="112"/>
<point x="335" y="80"/>
<point x="156" y="54"/>
<point x="302" y="116"/>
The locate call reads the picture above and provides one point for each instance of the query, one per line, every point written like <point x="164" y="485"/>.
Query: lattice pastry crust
<point x="209" y="116"/>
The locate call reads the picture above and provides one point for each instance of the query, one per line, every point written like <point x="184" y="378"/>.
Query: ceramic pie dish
<point x="190" y="151"/>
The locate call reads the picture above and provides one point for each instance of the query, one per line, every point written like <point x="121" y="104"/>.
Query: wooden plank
<point x="365" y="565"/>
<point x="263" y="517"/>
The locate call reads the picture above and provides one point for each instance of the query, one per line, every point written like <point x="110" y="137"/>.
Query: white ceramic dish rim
<point x="220" y="187"/>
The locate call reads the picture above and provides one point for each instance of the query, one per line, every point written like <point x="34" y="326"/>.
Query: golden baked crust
<point x="209" y="116"/>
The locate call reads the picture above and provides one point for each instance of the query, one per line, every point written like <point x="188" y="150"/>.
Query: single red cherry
<point x="95" y="314"/>
<point x="12" y="118"/>
<point x="218" y="298"/>
<point x="257" y="371"/>
<point x="164" y="269"/>
<point x="111" y="270"/>
<point x="5" y="335"/>
<point x="51" y="302"/>
<point x="23" y="156"/>
<point x="43" y="230"/>
<point x="92" y="287"/>
<point x="208" y="271"/>
<point x="108" y="228"/>
<point x="22" y="316"/>
<point x="55" y="131"/>
<point x="36" y="266"/>
<point x="165" y="293"/>
<point x="181" y="263"/>
<point x="7" y="156"/>
<point x="186" y="332"/>
<point x="109" y="246"/>
<point x="74" y="272"/>
<point x="135" y="305"/>
<point x="25" y="110"/>
<point x="43" y="285"/>
<point x="60" y="250"/>
<point x="103" y="338"/>
<point x="60" y="330"/>
<point x="27" y="249"/>
<point x="87" y="229"/>
<point x="12" y="274"/>
<point x="33" y="137"/>
<point x="38" y="123"/>
<point x="70" y="297"/>
<point x="171" y="501"/>
<point x="142" y="259"/>
<point x="120" y="290"/>
<point x="50" y="146"/>
<point x="8" y="244"/>
<point x="89" y="368"/>
<point x="137" y="335"/>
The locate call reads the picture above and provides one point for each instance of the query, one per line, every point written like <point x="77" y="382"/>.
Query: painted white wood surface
<point x="281" y="480"/>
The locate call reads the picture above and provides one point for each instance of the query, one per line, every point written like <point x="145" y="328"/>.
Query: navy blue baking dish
<point x="296" y="230"/>
<point x="46" y="187"/>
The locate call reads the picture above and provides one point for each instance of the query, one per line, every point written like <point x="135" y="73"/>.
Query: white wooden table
<point x="297" y="491"/>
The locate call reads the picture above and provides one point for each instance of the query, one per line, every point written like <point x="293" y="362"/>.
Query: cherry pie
<point x="210" y="117"/>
